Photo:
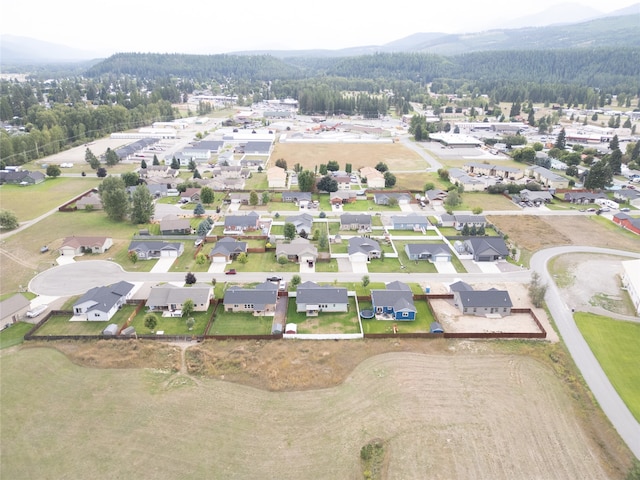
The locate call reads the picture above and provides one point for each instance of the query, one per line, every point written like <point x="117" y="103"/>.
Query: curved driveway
<point x="611" y="403"/>
<point x="78" y="277"/>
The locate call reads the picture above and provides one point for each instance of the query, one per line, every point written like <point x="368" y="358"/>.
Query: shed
<point x="129" y="331"/>
<point x="276" y="329"/>
<point x="111" y="329"/>
<point x="436" y="328"/>
<point x="291" y="328"/>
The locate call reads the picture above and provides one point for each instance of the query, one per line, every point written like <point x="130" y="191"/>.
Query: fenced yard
<point x="61" y="324"/>
<point x="240" y="323"/>
<point x="327" y="322"/>
<point x="173" y="325"/>
<point x="421" y="324"/>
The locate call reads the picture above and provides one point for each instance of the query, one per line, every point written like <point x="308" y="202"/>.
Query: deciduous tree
<point x="8" y="220"/>
<point x="114" y="198"/>
<point x="142" y="208"/>
<point x="53" y="171"/>
<point x="207" y="195"/>
<point x="289" y="231"/>
<point x="306" y="181"/>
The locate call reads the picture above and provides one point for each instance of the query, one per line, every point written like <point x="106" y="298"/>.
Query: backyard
<point x="421" y="324"/>
<point x="325" y="322"/>
<point x="61" y="325"/>
<point x="239" y="323"/>
<point x="172" y="325"/>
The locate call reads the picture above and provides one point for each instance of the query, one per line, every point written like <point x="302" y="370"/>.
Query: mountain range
<point x="572" y="26"/>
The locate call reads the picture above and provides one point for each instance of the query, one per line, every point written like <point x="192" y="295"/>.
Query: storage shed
<point x="112" y="329"/>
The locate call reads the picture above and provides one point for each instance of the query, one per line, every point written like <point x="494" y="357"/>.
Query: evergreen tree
<point x="599" y="176"/>
<point x="196" y="174"/>
<point x="253" y="198"/>
<point x="199" y="210"/>
<point x="207" y="195"/>
<point x="614" y="144"/>
<point x="615" y="161"/>
<point x="306" y="181"/>
<point x="289" y="231"/>
<point x="175" y="164"/>
<point x="111" y="157"/>
<point x="561" y="141"/>
<point x="143" y="164"/>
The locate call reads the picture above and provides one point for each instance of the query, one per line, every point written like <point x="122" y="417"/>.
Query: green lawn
<point x="615" y="345"/>
<point x="486" y="201"/>
<point x="365" y="205"/>
<point x="257" y="182"/>
<point x="14" y="334"/>
<point x="411" y="233"/>
<point x="240" y="323"/>
<point x="264" y="262"/>
<point x="60" y="324"/>
<point x="330" y="266"/>
<point x="50" y="194"/>
<point x="422" y="323"/>
<point x="171" y="325"/>
<point x="277" y="230"/>
<point x="325" y="322"/>
<point x="388" y="265"/>
<point x="187" y="263"/>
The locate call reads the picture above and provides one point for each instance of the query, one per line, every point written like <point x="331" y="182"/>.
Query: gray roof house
<point x="460" y="220"/>
<point x="383" y="198"/>
<point x="313" y="298"/>
<point x="395" y="302"/>
<point x="21" y="177"/>
<point x="170" y="298"/>
<point x="483" y="302"/>
<point x="13" y="309"/>
<point x="349" y="221"/>
<point x="260" y="300"/>
<point x="296" y="196"/>
<point x="299" y="250"/>
<point x="409" y="222"/>
<point x="486" y="249"/>
<point x="433" y="252"/>
<point x="363" y="249"/>
<point x="227" y="249"/>
<point x="150" y="249"/>
<point x="235" y="224"/>
<point x="101" y="303"/>
<point x="174" y="225"/>
<point x="303" y="222"/>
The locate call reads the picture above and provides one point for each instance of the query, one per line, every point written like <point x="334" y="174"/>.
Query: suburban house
<point x="459" y="221"/>
<point x="313" y="299"/>
<point x="627" y="222"/>
<point x="433" y="252"/>
<point x="21" y="177"/>
<point x="375" y="179"/>
<point x="627" y="195"/>
<point x="72" y="246"/>
<point x="91" y="201"/>
<point x="481" y="302"/>
<point x="301" y="198"/>
<point x="502" y="171"/>
<point x="277" y="177"/>
<point x="360" y="222"/>
<point x="13" y="309"/>
<point x="583" y="198"/>
<point x="384" y="198"/>
<point x="238" y="224"/>
<point x="303" y="222"/>
<point x="409" y="222"/>
<point x="260" y="300"/>
<point x="170" y="298"/>
<point x="344" y="181"/>
<point x="227" y="249"/>
<point x="101" y="303"/>
<point x="342" y="196"/>
<point x="299" y="250"/>
<point x="486" y="249"/>
<point x="631" y="281"/>
<point x="152" y="249"/>
<point x="363" y="249"/>
<point x="158" y="171"/>
<point x="537" y="197"/>
<point x="190" y="195"/>
<point x="258" y="147"/>
<point x="470" y="184"/>
<point x="435" y="196"/>
<point x="174" y="225"/>
<point x="395" y="302"/>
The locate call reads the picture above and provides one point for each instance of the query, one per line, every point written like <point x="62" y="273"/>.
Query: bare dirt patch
<point x="533" y="232"/>
<point x="395" y="155"/>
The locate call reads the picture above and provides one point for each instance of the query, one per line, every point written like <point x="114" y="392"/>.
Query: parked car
<point x="231" y="272"/>
<point x="625" y="209"/>
<point x="274" y="278"/>
<point x="37" y="311"/>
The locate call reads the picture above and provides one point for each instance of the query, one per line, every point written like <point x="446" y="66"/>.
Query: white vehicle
<point x="37" y="311"/>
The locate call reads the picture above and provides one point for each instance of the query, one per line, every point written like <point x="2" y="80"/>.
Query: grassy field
<point x="456" y="413"/>
<point x="241" y="323"/>
<point x="615" y="345"/>
<point x="395" y="155"/>
<point x="14" y="334"/>
<point x="35" y="200"/>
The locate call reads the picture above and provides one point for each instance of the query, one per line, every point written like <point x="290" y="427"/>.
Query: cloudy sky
<point x="198" y="26"/>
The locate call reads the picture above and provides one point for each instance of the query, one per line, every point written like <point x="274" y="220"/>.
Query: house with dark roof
<point x="299" y="250"/>
<point x="383" y="198"/>
<point x="21" y="177"/>
<point x="314" y="299"/>
<point x="151" y="250"/>
<point x="584" y="198"/>
<point x="341" y="197"/>
<point x="260" y="300"/>
<point x="395" y="302"/>
<point x="303" y="222"/>
<point x="296" y="197"/>
<point x="483" y="302"/>
<point x="433" y="252"/>
<point x="460" y="220"/>
<point x="363" y="249"/>
<point x="360" y="222"/>
<point x="238" y="224"/>
<point x="253" y="147"/>
<point x="91" y="201"/>
<point x="409" y="222"/>
<point x="486" y="249"/>
<point x="191" y="194"/>
<point x="435" y="196"/>
<point x="174" y="225"/>
<point x="627" y="222"/>
<point x="170" y="298"/>
<point x="627" y="195"/>
<point x="227" y="249"/>
<point x="72" y="246"/>
<point x="101" y="303"/>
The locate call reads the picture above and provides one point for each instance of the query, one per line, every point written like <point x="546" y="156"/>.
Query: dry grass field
<point x="395" y="155"/>
<point x="446" y="408"/>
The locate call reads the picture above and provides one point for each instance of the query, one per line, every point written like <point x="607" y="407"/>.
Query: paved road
<point x="611" y="403"/>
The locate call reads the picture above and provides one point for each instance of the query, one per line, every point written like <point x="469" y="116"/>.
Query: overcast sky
<point x="198" y="26"/>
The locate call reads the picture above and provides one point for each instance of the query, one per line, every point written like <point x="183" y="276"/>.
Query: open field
<point x="453" y="406"/>
<point x="35" y="200"/>
<point x="615" y="345"/>
<point x="309" y="155"/>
